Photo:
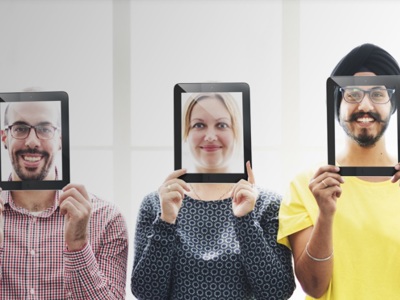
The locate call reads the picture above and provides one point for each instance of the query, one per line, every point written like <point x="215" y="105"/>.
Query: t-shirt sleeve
<point x="298" y="209"/>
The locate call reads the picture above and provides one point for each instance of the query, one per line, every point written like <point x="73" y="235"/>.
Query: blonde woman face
<point x="211" y="137"/>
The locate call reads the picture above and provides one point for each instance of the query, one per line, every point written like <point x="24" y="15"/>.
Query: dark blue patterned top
<point x="211" y="254"/>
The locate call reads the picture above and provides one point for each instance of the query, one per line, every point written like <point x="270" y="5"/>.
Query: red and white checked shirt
<point x="35" y="264"/>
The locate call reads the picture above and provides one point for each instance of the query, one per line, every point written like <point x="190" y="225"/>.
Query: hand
<point x="325" y="186"/>
<point x="75" y="205"/>
<point x="244" y="195"/>
<point x="171" y="194"/>
<point x="396" y="176"/>
<point x="1" y="220"/>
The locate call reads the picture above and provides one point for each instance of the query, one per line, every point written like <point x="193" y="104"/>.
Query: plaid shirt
<point x="35" y="264"/>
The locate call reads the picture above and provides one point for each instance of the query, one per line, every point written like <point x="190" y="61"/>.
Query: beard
<point x="364" y="138"/>
<point x="25" y="173"/>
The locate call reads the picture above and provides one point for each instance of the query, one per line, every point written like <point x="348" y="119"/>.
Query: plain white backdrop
<point x="118" y="60"/>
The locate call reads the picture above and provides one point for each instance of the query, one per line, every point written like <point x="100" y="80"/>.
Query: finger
<point x="174" y="184"/>
<point x="250" y="173"/>
<point x="396" y="176"/>
<point x="68" y="207"/>
<point x="326" y="177"/>
<point x="176" y="187"/>
<point x="72" y="194"/>
<point x="175" y="174"/>
<point x="79" y="187"/>
<point x="325" y="169"/>
<point x="74" y="207"/>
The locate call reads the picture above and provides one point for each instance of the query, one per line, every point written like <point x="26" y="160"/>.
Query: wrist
<point x="76" y="246"/>
<point x="168" y="220"/>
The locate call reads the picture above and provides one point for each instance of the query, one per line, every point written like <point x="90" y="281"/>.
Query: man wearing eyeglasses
<point x="65" y="244"/>
<point x="32" y="136"/>
<point x="344" y="232"/>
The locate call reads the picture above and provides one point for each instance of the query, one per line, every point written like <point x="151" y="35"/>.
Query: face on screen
<point x="365" y="113"/>
<point x="32" y="137"/>
<point x="212" y="132"/>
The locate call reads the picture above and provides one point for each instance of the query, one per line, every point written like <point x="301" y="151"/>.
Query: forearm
<point x="315" y="264"/>
<point x="88" y="278"/>
<point x="153" y="261"/>
<point x="260" y="252"/>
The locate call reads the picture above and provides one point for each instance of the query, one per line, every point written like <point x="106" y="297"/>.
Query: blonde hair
<point x="225" y="98"/>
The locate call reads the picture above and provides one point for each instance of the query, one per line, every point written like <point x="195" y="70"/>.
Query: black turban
<point x="364" y="58"/>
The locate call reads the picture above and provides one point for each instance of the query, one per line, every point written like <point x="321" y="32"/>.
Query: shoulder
<point x="268" y="201"/>
<point x="104" y="210"/>
<point x="150" y="202"/>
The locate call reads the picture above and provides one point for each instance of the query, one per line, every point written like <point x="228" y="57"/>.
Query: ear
<point x="4" y="138"/>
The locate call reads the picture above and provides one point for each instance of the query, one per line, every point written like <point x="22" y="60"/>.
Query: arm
<point x="268" y="264"/>
<point x="314" y="269"/>
<point x="154" y="253"/>
<point x="155" y="239"/>
<point x="89" y="274"/>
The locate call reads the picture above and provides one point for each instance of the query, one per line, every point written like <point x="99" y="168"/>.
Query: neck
<point x="210" y="191"/>
<point x="34" y="200"/>
<point x="374" y="156"/>
<point x="202" y="169"/>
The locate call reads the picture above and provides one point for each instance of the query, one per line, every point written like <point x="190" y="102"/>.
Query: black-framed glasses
<point x="22" y="131"/>
<point x="377" y="95"/>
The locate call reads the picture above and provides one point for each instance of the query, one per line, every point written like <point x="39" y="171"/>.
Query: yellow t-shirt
<point x="366" y="236"/>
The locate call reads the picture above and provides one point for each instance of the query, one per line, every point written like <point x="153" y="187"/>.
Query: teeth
<point x="365" y="120"/>
<point x="32" y="158"/>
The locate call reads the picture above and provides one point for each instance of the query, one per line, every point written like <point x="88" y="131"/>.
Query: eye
<point x="378" y="94"/>
<point x="222" y="125"/>
<point x="198" y="125"/>
<point x="20" y="128"/>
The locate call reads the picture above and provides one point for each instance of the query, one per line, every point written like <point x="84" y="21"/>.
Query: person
<point x="343" y="231"/>
<point x="29" y="163"/>
<point x="210" y="240"/>
<point x="63" y="244"/>
<point x="212" y="132"/>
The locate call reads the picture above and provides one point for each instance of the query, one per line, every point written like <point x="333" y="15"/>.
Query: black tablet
<point x="381" y="89"/>
<point x="34" y="141"/>
<point x="212" y="131"/>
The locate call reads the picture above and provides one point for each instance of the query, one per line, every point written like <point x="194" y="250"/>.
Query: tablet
<point x="212" y="137"/>
<point x="337" y="86"/>
<point x="34" y="141"/>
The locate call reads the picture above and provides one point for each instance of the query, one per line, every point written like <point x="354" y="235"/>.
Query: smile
<point x="365" y="120"/>
<point x="31" y="158"/>
<point x="210" y="148"/>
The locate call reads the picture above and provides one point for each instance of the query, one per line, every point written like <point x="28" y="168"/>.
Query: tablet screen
<point x="34" y="140"/>
<point x="363" y="125"/>
<point x="212" y="131"/>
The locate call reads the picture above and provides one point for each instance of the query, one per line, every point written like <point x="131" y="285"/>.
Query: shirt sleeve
<point x="298" y="210"/>
<point x="154" y="253"/>
<point x="268" y="264"/>
<point x="100" y="275"/>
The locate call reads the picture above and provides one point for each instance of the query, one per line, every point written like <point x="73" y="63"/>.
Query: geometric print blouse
<point x="211" y="254"/>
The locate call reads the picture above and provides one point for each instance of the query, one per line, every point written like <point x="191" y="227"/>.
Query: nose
<point x="210" y="135"/>
<point x="32" y="141"/>
<point x="366" y="103"/>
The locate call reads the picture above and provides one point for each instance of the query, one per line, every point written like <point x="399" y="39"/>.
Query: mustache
<point x="377" y="117"/>
<point x="32" y="151"/>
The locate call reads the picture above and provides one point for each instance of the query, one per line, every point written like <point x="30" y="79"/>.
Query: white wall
<point x="119" y="60"/>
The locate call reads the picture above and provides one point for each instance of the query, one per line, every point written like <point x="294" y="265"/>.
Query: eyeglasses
<point x="377" y="95"/>
<point x="22" y="131"/>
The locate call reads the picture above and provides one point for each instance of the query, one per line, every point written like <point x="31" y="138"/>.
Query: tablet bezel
<point x="225" y="87"/>
<point x="333" y="83"/>
<point x="61" y="97"/>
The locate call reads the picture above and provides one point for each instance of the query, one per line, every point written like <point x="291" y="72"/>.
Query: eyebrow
<point x="26" y="123"/>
